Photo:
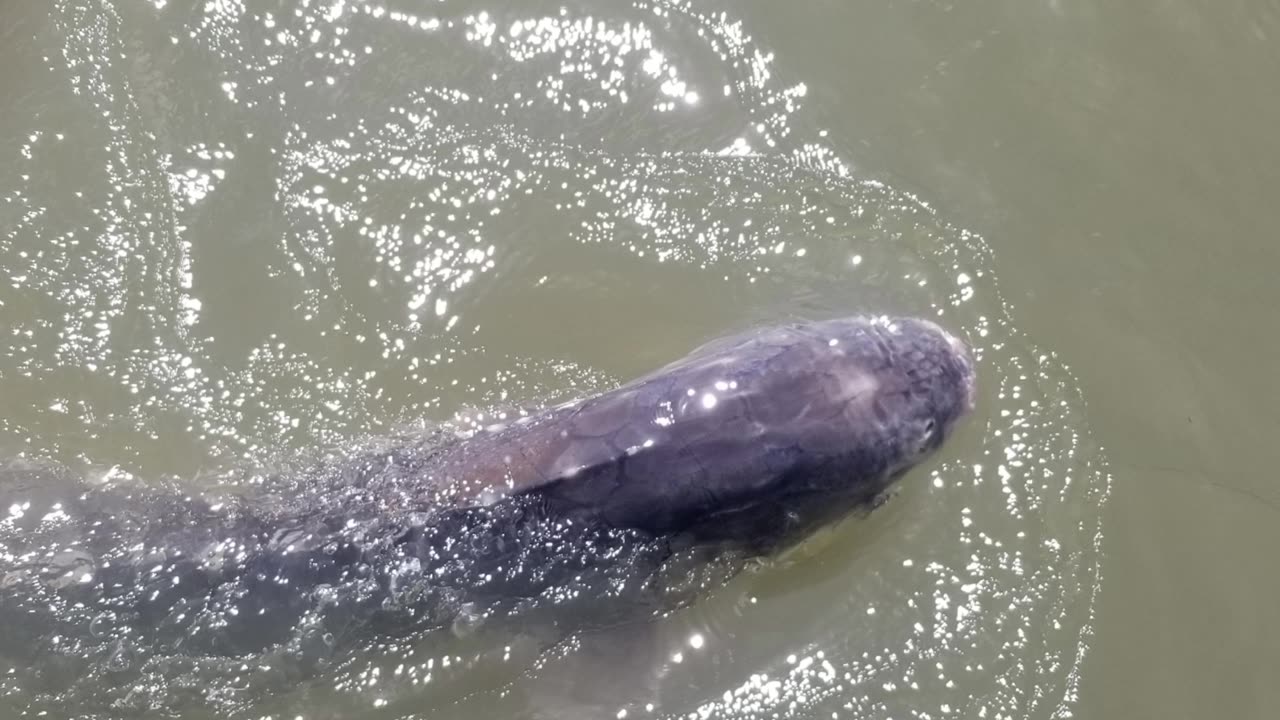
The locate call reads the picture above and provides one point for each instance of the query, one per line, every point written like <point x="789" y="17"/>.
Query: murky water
<point x="237" y="236"/>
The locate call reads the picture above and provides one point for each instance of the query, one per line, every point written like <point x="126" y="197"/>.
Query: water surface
<point x="238" y="233"/>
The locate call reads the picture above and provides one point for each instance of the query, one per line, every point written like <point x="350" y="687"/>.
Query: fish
<point x="748" y="443"/>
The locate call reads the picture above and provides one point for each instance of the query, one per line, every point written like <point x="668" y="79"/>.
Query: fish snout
<point x="967" y="371"/>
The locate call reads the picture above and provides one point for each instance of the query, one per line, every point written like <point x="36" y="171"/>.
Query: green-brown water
<point x="230" y="231"/>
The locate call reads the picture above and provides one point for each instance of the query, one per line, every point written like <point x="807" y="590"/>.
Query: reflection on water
<point x="238" y="230"/>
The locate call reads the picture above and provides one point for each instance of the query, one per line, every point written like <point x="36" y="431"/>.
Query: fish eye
<point x="928" y="436"/>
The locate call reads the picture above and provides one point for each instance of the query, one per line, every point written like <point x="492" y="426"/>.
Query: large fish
<point x="748" y="441"/>
<point x="736" y="441"/>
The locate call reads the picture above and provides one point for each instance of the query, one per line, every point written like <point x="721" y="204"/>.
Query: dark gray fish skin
<point x="749" y="440"/>
<point x="737" y="440"/>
